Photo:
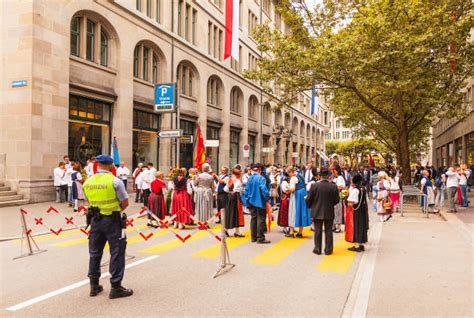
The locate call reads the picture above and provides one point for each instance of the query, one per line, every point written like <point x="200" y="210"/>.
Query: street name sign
<point x="187" y="139"/>
<point x="165" y="98"/>
<point x="211" y="143"/>
<point x="170" y="133"/>
<point x="19" y="83"/>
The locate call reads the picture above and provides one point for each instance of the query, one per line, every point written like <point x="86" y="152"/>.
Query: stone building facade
<point x="75" y="74"/>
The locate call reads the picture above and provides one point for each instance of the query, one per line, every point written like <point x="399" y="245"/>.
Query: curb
<point x="452" y="219"/>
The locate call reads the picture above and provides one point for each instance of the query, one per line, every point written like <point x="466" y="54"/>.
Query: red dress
<point x="181" y="201"/>
<point x="156" y="200"/>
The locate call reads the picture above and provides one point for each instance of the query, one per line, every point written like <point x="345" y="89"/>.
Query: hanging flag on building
<point x="314" y="100"/>
<point x="231" y="29"/>
<point x="200" y="153"/>
<point x="115" y="152"/>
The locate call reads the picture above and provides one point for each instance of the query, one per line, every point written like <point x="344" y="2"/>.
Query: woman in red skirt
<point x="181" y="204"/>
<point x="284" y="203"/>
<point x="156" y="200"/>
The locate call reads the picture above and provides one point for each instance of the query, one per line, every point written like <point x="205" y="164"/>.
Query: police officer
<point x="107" y="198"/>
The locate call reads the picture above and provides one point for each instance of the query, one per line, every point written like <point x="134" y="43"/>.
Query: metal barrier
<point x="411" y="190"/>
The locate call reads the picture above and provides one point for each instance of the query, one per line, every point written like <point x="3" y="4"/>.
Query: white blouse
<point x="237" y="186"/>
<point x="353" y="195"/>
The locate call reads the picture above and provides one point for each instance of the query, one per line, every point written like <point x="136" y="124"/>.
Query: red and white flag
<point x="231" y="29"/>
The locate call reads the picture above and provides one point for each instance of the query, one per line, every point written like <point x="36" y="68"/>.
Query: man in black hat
<point x="322" y="197"/>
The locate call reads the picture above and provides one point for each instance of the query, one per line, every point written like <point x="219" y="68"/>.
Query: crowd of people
<point x="330" y="199"/>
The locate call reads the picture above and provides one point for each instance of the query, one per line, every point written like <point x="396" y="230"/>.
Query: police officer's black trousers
<point x="105" y="229"/>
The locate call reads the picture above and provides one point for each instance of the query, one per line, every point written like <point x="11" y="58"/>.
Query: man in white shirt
<point x="69" y="171"/>
<point x="123" y="173"/>
<point x="90" y="167"/>
<point x="60" y="182"/>
<point x="145" y="183"/>
<point x="452" y="183"/>
<point x="136" y="180"/>
<point x="308" y="174"/>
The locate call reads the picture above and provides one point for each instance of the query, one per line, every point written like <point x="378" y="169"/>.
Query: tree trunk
<point x="405" y="154"/>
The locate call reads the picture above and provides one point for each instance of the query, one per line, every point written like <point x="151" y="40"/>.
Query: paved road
<point x="413" y="266"/>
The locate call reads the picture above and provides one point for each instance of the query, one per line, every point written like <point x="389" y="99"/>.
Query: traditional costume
<point x="181" y="200"/>
<point x="357" y="216"/>
<point x="156" y="201"/>
<point x="234" y="214"/>
<point x="203" y="190"/>
<point x="284" y="203"/>
<point x="298" y="212"/>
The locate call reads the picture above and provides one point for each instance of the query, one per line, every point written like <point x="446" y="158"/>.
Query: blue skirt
<point x="303" y="216"/>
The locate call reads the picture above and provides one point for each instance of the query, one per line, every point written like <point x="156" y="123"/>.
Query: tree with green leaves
<point x="387" y="67"/>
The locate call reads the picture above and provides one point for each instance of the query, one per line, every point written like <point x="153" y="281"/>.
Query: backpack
<point x="470" y="180"/>
<point x="438" y="182"/>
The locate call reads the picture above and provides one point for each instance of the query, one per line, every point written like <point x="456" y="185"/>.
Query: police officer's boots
<point x="95" y="287"/>
<point x="118" y="291"/>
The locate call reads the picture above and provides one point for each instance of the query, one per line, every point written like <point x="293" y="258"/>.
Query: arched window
<point x="302" y="129"/>
<point x="186" y="76"/>
<point x="146" y="63"/>
<point x="287" y="121"/>
<point x="253" y="107"/>
<point x="295" y="126"/>
<point x="308" y="131"/>
<point x="97" y="45"/>
<point x="236" y="100"/>
<point x="267" y="113"/>
<point x="278" y="117"/>
<point x="214" y="91"/>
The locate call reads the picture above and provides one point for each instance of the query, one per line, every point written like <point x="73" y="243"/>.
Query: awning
<point x="322" y="155"/>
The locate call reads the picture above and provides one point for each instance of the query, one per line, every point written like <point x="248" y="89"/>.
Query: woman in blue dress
<point x="298" y="212"/>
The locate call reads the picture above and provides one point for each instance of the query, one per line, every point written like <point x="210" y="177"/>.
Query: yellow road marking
<point x="279" y="251"/>
<point x="85" y="239"/>
<point x="175" y="242"/>
<point x="215" y="250"/>
<point x="341" y="259"/>
<point x="45" y="237"/>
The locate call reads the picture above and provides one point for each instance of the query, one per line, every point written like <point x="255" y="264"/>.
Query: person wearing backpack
<point x="440" y="184"/>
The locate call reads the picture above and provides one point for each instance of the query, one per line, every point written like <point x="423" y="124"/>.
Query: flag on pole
<point x="314" y="100"/>
<point x="115" y="152"/>
<point x="200" y="154"/>
<point x="231" y="47"/>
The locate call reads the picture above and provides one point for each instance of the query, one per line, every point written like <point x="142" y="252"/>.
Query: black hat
<point x="324" y="172"/>
<point x="357" y="179"/>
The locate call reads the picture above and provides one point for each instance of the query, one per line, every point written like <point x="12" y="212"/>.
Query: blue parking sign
<point x="165" y="97"/>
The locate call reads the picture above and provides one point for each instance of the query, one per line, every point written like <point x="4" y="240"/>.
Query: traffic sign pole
<point x="178" y="124"/>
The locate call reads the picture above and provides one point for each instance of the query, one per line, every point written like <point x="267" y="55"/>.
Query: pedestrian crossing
<point x="276" y="253"/>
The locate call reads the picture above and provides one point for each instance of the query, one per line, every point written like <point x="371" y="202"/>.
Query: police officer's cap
<point x="104" y="159"/>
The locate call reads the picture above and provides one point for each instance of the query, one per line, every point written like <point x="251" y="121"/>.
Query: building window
<point x="214" y="88"/>
<point x="338" y="123"/>
<point x="234" y="148"/>
<point x="90" y="40"/>
<point x="338" y="135"/>
<point x="236" y="97"/>
<point x="212" y="153"/>
<point x="277" y="20"/>
<point x="217" y="3"/>
<point x="180" y="17"/>
<point x="75" y="36"/>
<point x="266" y="6"/>
<point x="214" y="40"/>
<point x="158" y="11"/>
<point x="104" y="48"/>
<point x="234" y="64"/>
<point x="267" y="113"/>
<point x="135" y="61"/>
<point x="186" y="22"/>
<point x="185" y="77"/>
<point x="253" y="107"/>
<point x="155" y="69"/>
<point x="252" y="144"/>
<point x="252" y="23"/>
<point x="194" y="25"/>
<point x="186" y="150"/>
<point x="252" y="62"/>
<point x="148" y="8"/>
<point x="138" y="5"/>
<point x="145" y="142"/>
<point x="145" y="63"/>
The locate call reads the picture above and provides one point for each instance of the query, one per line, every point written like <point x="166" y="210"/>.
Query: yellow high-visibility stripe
<point x="281" y="250"/>
<point x="341" y="259"/>
<point x="175" y="242"/>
